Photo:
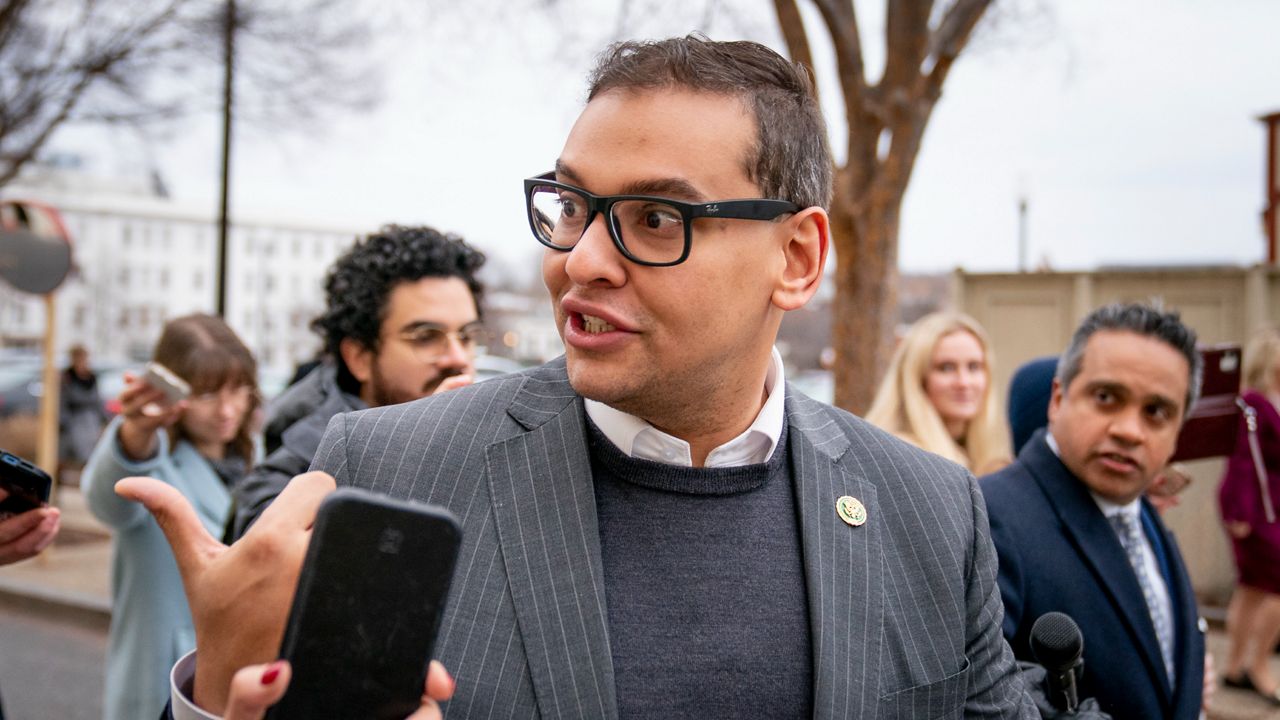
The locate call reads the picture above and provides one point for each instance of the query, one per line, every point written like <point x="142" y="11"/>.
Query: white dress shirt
<point x="639" y="439"/>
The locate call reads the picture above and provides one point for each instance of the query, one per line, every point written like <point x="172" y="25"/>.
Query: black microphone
<point x="1057" y="644"/>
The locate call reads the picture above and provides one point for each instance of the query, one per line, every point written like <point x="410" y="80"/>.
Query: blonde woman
<point x="937" y="394"/>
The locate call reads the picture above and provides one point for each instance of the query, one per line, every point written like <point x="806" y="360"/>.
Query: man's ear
<point x="358" y="358"/>
<point x="805" y="255"/>
<point x="1055" y="399"/>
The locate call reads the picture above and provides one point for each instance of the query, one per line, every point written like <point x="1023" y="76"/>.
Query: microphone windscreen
<point x="1056" y="640"/>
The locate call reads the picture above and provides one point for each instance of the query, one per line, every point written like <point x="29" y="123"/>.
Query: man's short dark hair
<point x="1142" y="320"/>
<point x="791" y="159"/>
<point x="360" y="281"/>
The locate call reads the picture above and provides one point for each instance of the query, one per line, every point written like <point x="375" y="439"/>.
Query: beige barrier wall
<point x="1030" y="315"/>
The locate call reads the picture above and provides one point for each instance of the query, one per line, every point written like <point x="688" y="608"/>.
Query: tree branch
<point x="792" y="26"/>
<point x="906" y="38"/>
<point x="842" y="24"/>
<point x="949" y="39"/>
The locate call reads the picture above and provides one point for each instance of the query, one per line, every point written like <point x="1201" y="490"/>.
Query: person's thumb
<point x="255" y="688"/>
<point x="193" y="546"/>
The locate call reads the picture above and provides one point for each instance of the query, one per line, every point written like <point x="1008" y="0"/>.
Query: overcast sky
<point x="1131" y="127"/>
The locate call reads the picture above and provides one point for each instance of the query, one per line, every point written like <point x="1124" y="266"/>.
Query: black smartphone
<point x="368" y="605"/>
<point x="26" y="485"/>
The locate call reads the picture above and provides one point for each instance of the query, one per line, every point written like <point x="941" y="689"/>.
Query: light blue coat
<point x="150" y="622"/>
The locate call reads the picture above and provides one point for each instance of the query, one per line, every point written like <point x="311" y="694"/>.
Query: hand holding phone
<point x="27" y="523"/>
<point x="367" y="608"/>
<point x="26" y="487"/>
<point x="174" y="388"/>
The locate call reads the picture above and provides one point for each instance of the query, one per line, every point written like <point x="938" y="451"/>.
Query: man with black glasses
<point x="401" y="321"/>
<point x="656" y="525"/>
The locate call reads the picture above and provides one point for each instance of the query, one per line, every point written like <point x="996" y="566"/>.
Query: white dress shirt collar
<point x="639" y="439"/>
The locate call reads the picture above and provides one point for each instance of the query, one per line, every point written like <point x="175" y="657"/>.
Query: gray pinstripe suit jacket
<point x="905" y="610"/>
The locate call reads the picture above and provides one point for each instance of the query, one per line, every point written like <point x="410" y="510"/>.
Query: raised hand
<point x="144" y="410"/>
<point x="239" y="595"/>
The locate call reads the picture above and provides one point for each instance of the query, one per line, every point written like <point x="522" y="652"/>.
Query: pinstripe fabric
<point x="905" y="611"/>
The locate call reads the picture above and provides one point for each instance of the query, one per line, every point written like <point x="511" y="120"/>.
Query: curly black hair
<point x="360" y="281"/>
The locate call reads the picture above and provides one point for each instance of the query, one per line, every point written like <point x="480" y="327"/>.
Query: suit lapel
<point x="1100" y="549"/>
<point x="1188" y="644"/>
<point x="544" y="504"/>
<point x="842" y="563"/>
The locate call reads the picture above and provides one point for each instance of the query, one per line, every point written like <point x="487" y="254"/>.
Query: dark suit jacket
<point x="1059" y="553"/>
<point x="905" y="611"/>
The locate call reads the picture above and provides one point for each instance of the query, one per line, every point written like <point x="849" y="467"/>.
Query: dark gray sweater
<point x="708" y="614"/>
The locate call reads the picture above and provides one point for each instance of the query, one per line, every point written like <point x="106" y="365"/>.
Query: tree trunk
<point x="865" y="308"/>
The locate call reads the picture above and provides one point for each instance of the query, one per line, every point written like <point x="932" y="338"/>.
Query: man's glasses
<point x="429" y="343"/>
<point x="647" y="230"/>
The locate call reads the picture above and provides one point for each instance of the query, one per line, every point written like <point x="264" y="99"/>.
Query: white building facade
<point x="141" y="259"/>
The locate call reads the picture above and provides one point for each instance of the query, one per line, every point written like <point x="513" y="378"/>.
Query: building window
<point x="123" y="277"/>
<point x="164" y="278"/>
<point x="126" y="235"/>
<point x="197" y="280"/>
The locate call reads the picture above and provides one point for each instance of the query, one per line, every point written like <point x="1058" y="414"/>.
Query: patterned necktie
<point x="1131" y="538"/>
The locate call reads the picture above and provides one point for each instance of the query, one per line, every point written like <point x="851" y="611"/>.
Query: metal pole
<point x="47" y="437"/>
<point x="228" y="76"/>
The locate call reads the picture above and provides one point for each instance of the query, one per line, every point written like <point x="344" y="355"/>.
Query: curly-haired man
<point x="401" y="322"/>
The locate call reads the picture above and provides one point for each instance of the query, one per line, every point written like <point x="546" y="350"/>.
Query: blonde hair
<point x="902" y="407"/>
<point x="1261" y="357"/>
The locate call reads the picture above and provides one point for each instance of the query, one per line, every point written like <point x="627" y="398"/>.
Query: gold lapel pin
<point x="851" y="510"/>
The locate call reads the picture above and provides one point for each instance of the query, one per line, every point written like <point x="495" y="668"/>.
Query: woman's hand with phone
<point x="145" y="410"/>
<point x="257" y="687"/>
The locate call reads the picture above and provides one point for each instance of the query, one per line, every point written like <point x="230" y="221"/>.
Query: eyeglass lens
<point x="651" y="231"/>
<point x="429" y="344"/>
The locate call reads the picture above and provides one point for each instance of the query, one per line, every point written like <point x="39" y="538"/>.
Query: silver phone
<point x="167" y="382"/>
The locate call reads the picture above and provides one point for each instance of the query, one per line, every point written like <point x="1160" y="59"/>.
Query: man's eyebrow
<point x="675" y="188"/>
<point x="1111" y="386"/>
<point x="1122" y="391"/>
<point x="422" y="324"/>
<point x="433" y="325"/>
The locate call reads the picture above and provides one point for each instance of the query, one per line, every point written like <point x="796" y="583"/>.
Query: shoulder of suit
<point x="490" y="397"/>
<point x="878" y="455"/>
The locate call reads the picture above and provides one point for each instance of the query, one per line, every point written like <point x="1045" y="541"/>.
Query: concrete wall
<point x="1029" y="315"/>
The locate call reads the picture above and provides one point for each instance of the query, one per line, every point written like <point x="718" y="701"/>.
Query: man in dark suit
<point x="657" y="525"/>
<point x="1074" y="531"/>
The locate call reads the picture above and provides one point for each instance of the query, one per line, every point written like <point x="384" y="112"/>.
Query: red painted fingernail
<point x="271" y="673"/>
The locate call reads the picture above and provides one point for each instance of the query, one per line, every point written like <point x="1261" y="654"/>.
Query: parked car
<point x="20" y="386"/>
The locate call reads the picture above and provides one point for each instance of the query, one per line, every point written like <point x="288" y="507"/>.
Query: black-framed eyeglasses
<point x="647" y="230"/>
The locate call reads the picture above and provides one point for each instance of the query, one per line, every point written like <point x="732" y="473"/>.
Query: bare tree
<point x="886" y="123"/>
<point x="87" y="61"/>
